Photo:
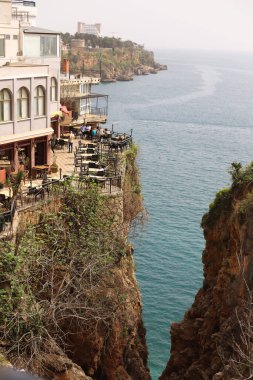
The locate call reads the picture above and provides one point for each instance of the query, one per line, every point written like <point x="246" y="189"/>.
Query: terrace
<point x="91" y="161"/>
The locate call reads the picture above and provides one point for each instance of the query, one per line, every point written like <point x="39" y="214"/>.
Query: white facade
<point x="15" y="16"/>
<point x="20" y="42"/>
<point x="16" y="76"/>
<point x="25" y="105"/>
<point x="94" y="29"/>
<point x="24" y="11"/>
<point x="29" y="83"/>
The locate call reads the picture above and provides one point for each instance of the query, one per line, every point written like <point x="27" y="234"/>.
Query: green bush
<point x="220" y="205"/>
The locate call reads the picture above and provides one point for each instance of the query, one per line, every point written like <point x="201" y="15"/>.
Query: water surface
<point x="190" y="123"/>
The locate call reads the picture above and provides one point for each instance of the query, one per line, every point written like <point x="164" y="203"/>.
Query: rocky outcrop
<point x="113" y="65"/>
<point x="117" y="350"/>
<point x="214" y="340"/>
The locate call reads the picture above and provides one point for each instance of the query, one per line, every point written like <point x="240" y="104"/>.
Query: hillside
<point x="110" y="58"/>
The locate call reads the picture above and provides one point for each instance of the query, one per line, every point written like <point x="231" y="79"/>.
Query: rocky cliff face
<point x="70" y="307"/>
<point x="113" y="64"/>
<point x="214" y="340"/>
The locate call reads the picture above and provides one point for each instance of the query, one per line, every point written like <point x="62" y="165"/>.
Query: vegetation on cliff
<point x="68" y="288"/>
<point x="109" y="57"/>
<point x="214" y="340"/>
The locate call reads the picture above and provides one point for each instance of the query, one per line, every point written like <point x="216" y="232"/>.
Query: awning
<point x="25" y="135"/>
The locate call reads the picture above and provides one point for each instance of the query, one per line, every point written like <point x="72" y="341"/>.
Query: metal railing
<point x="6" y="217"/>
<point x="100" y="111"/>
<point x="26" y="3"/>
<point x="108" y="185"/>
<point x="32" y="195"/>
<point x="117" y="142"/>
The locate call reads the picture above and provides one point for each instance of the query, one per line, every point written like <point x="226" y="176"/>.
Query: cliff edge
<point x="214" y="340"/>
<point x="70" y="307"/>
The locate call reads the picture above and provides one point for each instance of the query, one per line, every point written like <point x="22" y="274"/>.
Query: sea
<point x="190" y="123"/>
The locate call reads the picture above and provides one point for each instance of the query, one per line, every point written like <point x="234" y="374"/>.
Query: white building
<point x="95" y="29"/>
<point x="29" y="87"/>
<point x="86" y="107"/>
<point x="24" y="11"/>
<point x="25" y="97"/>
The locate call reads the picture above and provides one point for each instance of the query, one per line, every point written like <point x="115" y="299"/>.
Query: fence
<point x="32" y="195"/>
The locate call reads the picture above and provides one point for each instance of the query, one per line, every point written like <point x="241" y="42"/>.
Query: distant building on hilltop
<point x="94" y="29"/>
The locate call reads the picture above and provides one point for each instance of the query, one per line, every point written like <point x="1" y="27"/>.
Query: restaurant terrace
<point x="94" y="158"/>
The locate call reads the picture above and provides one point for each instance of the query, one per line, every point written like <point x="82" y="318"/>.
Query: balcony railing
<point x="25" y="3"/>
<point x="98" y="111"/>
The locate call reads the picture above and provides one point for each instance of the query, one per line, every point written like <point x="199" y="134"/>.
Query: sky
<point x="175" y="24"/>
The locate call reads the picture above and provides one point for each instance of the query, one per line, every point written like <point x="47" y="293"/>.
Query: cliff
<point x="112" y="63"/>
<point x="70" y="306"/>
<point x="214" y="340"/>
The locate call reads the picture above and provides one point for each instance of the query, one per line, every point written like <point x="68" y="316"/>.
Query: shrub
<point x="220" y="205"/>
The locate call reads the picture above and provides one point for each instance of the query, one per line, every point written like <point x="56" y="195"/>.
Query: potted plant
<point x="54" y="166"/>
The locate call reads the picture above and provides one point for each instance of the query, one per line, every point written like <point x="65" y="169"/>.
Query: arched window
<point x="39" y="101"/>
<point x="23" y="103"/>
<point x="5" y="105"/>
<point x="53" y="90"/>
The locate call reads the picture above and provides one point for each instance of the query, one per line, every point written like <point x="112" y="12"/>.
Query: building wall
<point x="95" y="29"/>
<point x="18" y="77"/>
<point x="5" y="14"/>
<point x="12" y="43"/>
<point x="24" y="13"/>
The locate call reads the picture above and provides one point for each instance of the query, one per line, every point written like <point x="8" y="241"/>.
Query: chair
<point x="84" y="169"/>
<point x="61" y="143"/>
<point x="2" y="223"/>
<point x="93" y="165"/>
<point x="2" y="198"/>
<point x="77" y="163"/>
<point x="90" y="150"/>
<point x="94" y="157"/>
<point x="32" y="190"/>
<point x="100" y="173"/>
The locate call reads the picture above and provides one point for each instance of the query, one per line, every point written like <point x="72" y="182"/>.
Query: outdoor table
<point x="40" y="169"/>
<point x="94" y="170"/>
<point x="83" y="155"/>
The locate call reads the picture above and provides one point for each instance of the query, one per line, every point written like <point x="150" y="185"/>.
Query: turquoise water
<point x="190" y="123"/>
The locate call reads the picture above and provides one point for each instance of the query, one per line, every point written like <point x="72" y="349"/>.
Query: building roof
<point x="35" y="30"/>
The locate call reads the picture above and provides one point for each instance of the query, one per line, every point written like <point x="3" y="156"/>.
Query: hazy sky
<point x="197" y="24"/>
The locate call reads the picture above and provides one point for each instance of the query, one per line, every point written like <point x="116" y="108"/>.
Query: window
<point x="7" y="37"/>
<point x="31" y="45"/>
<point x="5" y="105"/>
<point x="48" y="46"/>
<point x="53" y="90"/>
<point x="84" y="88"/>
<point x="2" y="46"/>
<point x="39" y="101"/>
<point x="23" y="103"/>
<point x="15" y="36"/>
<point x="85" y="107"/>
<point x="36" y="45"/>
